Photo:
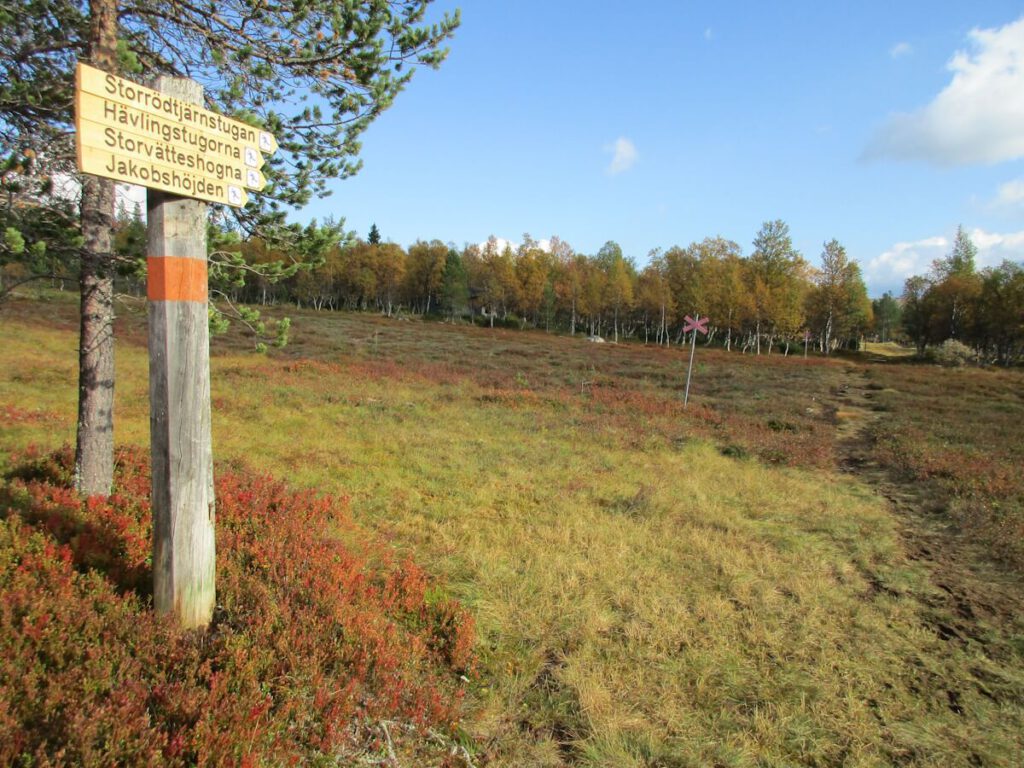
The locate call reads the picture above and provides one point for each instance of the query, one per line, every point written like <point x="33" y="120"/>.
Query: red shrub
<point x="311" y="643"/>
<point x="12" y="414"/>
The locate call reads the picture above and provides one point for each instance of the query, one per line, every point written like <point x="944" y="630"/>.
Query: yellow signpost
<point x="164" y="140"/>
<point x="167" y="178"/>
<point x="131" y="146"/>
<point x="130" y="133"/>
<point x="111" y="114"/>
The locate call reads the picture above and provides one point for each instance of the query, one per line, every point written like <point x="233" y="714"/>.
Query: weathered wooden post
<point x="179" y="397"/>
<point x="184" y="154"/>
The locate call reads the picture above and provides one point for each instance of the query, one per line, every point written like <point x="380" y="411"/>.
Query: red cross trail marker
<point x="694" y="325"/>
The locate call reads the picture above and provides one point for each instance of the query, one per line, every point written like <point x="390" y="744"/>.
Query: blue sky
<point x="884" y="125"/>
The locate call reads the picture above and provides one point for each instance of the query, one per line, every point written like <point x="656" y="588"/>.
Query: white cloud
<point x="708" y="34"/>
<point x="994" y="248"/>
<point x="131" y="195"/>
<point x="902" y="48"/>
<point x="67" y="187"/>
<point x="890" y="269"/>
<point x="1010" y="196"/>
<point x="977" y="119"/>
<point x="624" y="156"/>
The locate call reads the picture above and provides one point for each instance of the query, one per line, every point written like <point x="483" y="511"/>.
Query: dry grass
<point x="647" y="591"/>
<point x="888" y="349"/>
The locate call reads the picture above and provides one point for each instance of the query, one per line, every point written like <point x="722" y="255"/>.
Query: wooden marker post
<point x="184" y="154"/>
<point x="179" y="397"/>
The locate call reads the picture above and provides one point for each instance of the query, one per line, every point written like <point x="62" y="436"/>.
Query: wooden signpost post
<point x="695" y="325"/>
<point x="163" y="140"/>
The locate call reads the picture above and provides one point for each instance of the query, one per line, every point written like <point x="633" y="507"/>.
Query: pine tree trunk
<point x="94" y="449"/>
<point x="94" y="445"/>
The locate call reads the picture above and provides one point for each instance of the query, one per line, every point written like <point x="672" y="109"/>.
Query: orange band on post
<point x="172" y="278"/>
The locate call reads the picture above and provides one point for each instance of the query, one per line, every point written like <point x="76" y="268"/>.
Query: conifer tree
<point x="314" y="73"/>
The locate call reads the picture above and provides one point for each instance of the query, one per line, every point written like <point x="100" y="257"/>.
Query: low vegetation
<point x="962" y="431"/>
<point x="650" y="585"/>
<point x="321" y="638"/>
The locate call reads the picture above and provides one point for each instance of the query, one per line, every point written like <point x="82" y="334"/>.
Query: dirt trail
<point x="974" y="600"/>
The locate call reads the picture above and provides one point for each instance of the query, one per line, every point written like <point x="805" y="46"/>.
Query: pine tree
<point x="374" y="237"/>
<point x="340" y="64"/>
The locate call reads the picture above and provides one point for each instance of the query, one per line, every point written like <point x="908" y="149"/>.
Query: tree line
<point x="769" y="299"/>
<point x="982" y="309"/>
<point x="766" y="300"/>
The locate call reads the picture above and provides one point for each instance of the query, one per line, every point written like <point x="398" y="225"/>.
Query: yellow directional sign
<point x="168" y="178"/>
<point x="134" y="134"/>
<point x="105" y="112"/>
<point x="99" y="83"/>
<point x="129" y="145"/>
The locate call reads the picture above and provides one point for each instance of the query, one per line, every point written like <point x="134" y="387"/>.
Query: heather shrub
<point x="313" y="642"/>
<point x="950" y="354"/>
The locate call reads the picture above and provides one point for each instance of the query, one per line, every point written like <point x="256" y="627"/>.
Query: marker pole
<point x="179" y="397"/>
<point x="689" y="371"/>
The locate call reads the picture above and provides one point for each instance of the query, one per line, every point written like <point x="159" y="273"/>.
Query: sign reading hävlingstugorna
<point x="130" y="133"/>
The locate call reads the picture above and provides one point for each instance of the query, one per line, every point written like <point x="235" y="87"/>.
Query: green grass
<point x="652" y="586"/>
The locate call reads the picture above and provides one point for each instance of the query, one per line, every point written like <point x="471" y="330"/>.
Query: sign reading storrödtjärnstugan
<point x="134" y="134"/>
